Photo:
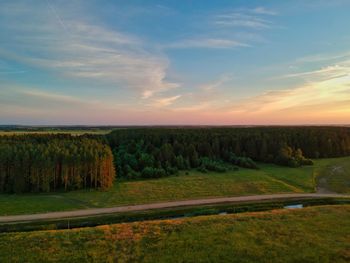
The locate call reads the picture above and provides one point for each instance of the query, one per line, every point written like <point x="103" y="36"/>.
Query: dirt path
<point x="321" y="187"/>
<point x="322" y="182"/>
<point x="144" y="207"/>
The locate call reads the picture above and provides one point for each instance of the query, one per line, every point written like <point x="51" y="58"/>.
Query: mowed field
<point x="194" y="185"/>
<point x="304" y="235"/>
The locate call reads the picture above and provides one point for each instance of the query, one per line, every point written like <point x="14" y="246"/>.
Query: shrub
<point x="212" y="165"/>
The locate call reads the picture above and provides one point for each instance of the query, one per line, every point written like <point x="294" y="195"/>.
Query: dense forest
<point x="44" y="163"/>
<point x="157" y="152"/>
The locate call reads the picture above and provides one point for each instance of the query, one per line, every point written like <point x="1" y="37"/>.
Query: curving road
<point x="164" y="205"/>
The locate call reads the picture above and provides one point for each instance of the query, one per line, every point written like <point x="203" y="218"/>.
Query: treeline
<point x="45" y="163"/>
<point x="157" y="152"/>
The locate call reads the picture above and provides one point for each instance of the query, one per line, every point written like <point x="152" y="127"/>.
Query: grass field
<point x="269" y="179"/>
<point x="72" y="132"/>
<point x="301" y="235"/>
<point x="335" y="176"/>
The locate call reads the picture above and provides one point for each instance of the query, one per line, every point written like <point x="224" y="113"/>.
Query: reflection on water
<point x="294" y="206"/>
<point x="222" y="213"/>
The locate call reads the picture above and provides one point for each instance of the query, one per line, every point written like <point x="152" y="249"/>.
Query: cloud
<point x="162" y="102"/>
<point x="217" y="27"/>
<point x="206" y="96"/>
<point x="214" y="43"/>
<point x="215" y="85"/>
<point x="263" y="11"/>
<point x="34" y="98"/>
<point x="25" y="105"/>
<point x="253" y="18"/>
<point x="241" y="20"/>
<point x="322" y="96"/>
<point x="50" y="97"/>
<point x="323" y="57"/>
<point x="312" y="99"/>
<point x="327" y="72"/>
<point x="13" y="72"/>
<point x="60" y="41"/>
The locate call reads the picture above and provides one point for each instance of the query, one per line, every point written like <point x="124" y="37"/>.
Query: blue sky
<point x="174" y="62"/>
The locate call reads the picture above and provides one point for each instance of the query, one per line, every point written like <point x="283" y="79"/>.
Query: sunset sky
<point x="174" y="62"/>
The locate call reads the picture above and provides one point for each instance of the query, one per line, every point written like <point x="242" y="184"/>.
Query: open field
<point x="194" y="185"/>
<point x="72" y="132"/>
<point x="269" y="179"/>
<point x="335" y="176"/>
<point x="301" y="235"/>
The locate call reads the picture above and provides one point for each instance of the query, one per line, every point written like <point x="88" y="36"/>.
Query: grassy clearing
<point x="194" y="185"/>
<point x="301" y="235"/>
<point x="334" y="175"/>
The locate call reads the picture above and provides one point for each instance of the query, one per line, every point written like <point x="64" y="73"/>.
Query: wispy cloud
<point x="163" y="102"/>
<point x="323" y="57"/>
<point x="215" y="85"/>
<point x="241" y="20"/>
<point x="206" y="96"/>
<point x="216" y="30"/>
<point x="328" y="72"/>
<point x="263" y="11"/>
<point x="72" y="47"/>
<point x="215" y="43"/>
<point x="51" y="97"/>
<point x="331" y="95"/>
<point x="256" y="18"/>
<point x="203" y="106"/>
<point x="53" y="9"/>
<point x="35" y="98"/>
<point x="12" y="72"/>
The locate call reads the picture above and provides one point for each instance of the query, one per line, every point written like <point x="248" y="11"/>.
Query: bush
<point x="291" y="158"/>
<point x="307" y="162"/>
<point x="150" y="172"/>
<point x="244" y="162"/>
<point x="212" y="165"/>
<point x="202" y="169"/>
<point x="293" y="163"/>
<point x="172" y="170"/>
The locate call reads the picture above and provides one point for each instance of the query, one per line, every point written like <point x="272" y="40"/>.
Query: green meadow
<point x="335" y="176"/>
<point x="191" y="185"/>
<point x="304" y="235"/>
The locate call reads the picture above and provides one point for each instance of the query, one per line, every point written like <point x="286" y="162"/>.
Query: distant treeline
<point x="44" y="163"/>
<point x="156" y="152"/>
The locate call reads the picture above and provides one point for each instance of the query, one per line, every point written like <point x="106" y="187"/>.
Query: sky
<point x="179" y="62"/>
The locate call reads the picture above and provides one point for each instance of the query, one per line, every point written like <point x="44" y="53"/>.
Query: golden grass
<point x="315" y="234"/>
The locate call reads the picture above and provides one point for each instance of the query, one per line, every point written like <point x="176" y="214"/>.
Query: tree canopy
<point x="44" y="163"/>
<point x="165" y="150"/>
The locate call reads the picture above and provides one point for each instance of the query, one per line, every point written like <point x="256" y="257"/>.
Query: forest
<point x="157" y="152"/>
<point x="45" y="163"/>
<point x="62" y="162"/>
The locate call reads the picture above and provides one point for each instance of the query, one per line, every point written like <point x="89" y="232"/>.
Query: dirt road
<point x="145" y="207"/>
